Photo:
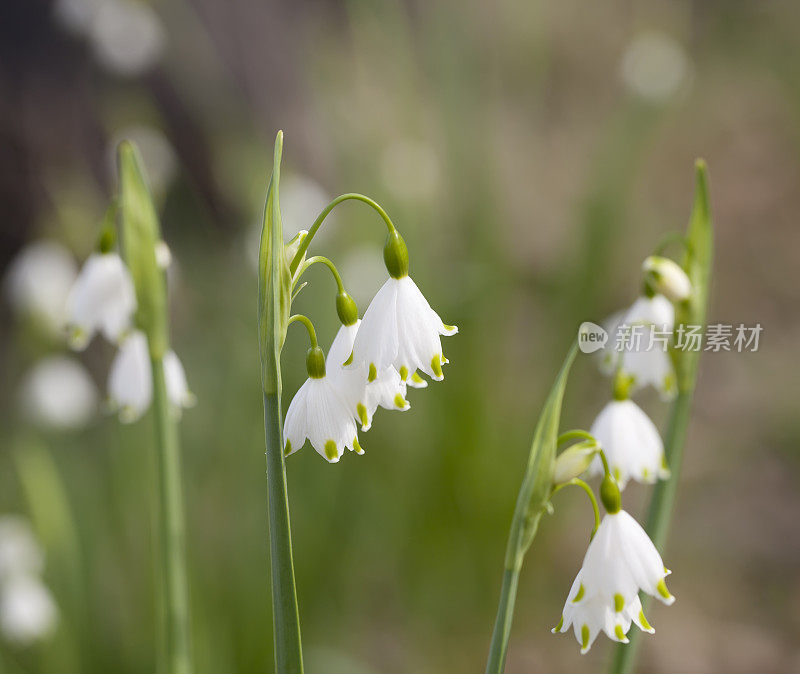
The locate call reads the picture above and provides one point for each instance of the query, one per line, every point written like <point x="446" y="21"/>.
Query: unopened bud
<point x="666" y="277"/>
<point x="574" y="461"/>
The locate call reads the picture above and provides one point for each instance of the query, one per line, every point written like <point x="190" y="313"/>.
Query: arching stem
<point x="306" y="321"/>
<point x="324" y="214"/>
<point x="321" y="259"/>
<point x="577" y="482"/>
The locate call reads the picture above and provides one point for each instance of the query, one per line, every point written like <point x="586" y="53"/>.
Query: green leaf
<point x="140" y="234"/>
<point x="697" y="264"/>
<point x="274" y="283"/>
<point x="534" y="494"/>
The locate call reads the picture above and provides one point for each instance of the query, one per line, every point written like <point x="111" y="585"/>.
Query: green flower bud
<point x="395" y="255"/>
<point x="315" y="363"/>
<point x="609" y="495"/>
<point x="573" y="461"/>
<point x="346" y="308"/>
<point x="291" y="248"/>
<point x="665" y="276"/>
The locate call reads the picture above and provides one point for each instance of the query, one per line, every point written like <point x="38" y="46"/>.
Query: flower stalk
<point x="275" y="284"/>
<point x="697" y="264"/>
<point x="532" y="500"/>
<point x="140" y="236"/>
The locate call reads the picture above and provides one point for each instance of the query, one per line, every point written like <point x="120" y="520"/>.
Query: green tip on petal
<point x="362" y="414"/>
<point x="330" y="450"/>
<point x="403" y="372"/>
<point x="663" y="591"/>
<point x="373" y="373"/>
<point x="620" y="634"/>
<point x="643" y="622"/>
<point x="558" y="627"/>
<point x="579" y="596"/>
<point x="436" y="365"/>
<point x="287" y="449"/>
<point x="349" y="359"/>
<point x="417" y="379"/>
<point x="619" y="602"/>
<point x="399" y="401"/>
<point x="584" y="638"/>
<point x="357" y="447"/>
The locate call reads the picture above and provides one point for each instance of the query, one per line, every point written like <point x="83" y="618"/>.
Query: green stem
<point x="306" y="321"/>
<point x="321" y="218"/>
<point x="285" y="614"/>
<point x="171" y="524"/>
<point x="577" y="434"/>
<point x="324" y="260"/>
<point x="660" y="513"/>
<point x="505" y="616"/>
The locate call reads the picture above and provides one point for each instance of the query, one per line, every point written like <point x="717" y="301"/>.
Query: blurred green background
<point x="532" y="154"/>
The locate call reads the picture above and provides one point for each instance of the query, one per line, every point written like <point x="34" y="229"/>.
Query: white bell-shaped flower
<point x="649" y="323"/>
<point x="102" y="299"/>
<point x="130" y="380"/>
<point x="27" y="610"/>
<point x="318" y="413"/>
<point x="362" y="395"/>
<point x="631" y="443"/>
<point x="400" y="329"/>
<point x="620" y="562"/>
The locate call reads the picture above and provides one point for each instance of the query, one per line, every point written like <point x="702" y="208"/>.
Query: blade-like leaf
<point x="534" y="494"/>
<point x="697" y="265"/>
<point x="274" y="282"/>
<point x="140" y="234"/>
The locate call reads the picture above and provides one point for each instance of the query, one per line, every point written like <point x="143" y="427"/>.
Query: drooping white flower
<point x="20" y="552"/>
<point x="130" y="380"/>
<point x="319" y="413"/>
<point x="102" y="299"/>
<point x="645" y="360"/>
<point x="400" y="329"/>
<point x="620" y="562"/>
<point x="27" y="610"/>
<point x="362" y="395"/>
<point x="655" y="66"/>
<point x="58" y="393"/>
<point x="631" y="443"/>
<point x="38" y="281"/>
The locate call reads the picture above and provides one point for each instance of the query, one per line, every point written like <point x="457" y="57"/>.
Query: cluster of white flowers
<point x="621" y="559"/>
<point x="370" y="364"/>
<point x="27" y="610"/>
<point x="58" y="393"/>
<point x="103" y="300"/>
<point x="629" y="439"/>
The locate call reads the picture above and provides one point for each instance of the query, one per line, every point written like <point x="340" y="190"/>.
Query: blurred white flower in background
<point x="19" y="550"/>
<point x="101" y="300"/>
<point x="157" y="152"/>
<point x="655" y="66"/>
<point x="410" y="169"/>
<point x="76" y="15"/>
<point x="38" y="282"/>
<point x="127" y="37"/>
<point x="130" y="380"/>
<point x="363" y="271"/>
<point x="302" y="200"/>
<point x="27" y="609"/>
<point x="58" y="393"/>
